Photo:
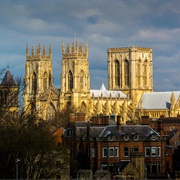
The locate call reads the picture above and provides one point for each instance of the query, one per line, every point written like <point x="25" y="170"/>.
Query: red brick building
<point x="104" y="144"/>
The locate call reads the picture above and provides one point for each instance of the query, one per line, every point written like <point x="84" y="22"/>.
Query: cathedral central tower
<point x="130" y="70"/>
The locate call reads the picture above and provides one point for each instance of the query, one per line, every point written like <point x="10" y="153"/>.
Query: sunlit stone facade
<point x="130" y="84"/>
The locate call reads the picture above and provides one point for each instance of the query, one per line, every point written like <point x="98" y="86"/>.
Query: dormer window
<point x="126" y="137"/>
<point x="136" y="137"/>
<point x="110" y="137"/>
<point x="153" y="137"/>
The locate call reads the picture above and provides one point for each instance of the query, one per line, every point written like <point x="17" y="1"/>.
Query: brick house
<point x="104" y="144"/>
<point x="168" y="127"/>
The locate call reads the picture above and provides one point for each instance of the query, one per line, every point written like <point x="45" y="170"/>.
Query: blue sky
<point x="103" y="24"/>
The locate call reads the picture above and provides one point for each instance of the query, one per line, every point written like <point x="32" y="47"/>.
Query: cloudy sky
<point x="101" y="23"/>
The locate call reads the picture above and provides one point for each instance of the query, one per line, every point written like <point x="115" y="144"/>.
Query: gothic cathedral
<point x="130" y="84"/>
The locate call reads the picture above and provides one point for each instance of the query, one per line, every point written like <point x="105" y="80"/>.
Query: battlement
<point x="74" y="51"/>
<point x="39" y="55"/>
<point x="127" y="49"/>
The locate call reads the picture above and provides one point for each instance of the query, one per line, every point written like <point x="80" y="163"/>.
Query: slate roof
<point x="107" y="93"/>
<point x="100" y="131"/>
<point x="157" y="100"/>
<point x="121" y="165"/>
<point x="8" y="79"/>
<point x="141" y="130"/>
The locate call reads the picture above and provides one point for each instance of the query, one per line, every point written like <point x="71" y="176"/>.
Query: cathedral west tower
<point x="39" y="90"/>
<point x="75" y="77"/>
<point x="130" y="70"/>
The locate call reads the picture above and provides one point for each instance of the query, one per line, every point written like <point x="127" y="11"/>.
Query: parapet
<point x="39" y="55"/>
<point x="75" y="51"/>
<point x="127" y="49"/>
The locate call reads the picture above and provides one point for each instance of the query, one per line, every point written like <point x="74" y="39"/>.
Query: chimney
<point x="72" y="117"/>
<point x="145" y="120"/>
<point x="119" y="123"/>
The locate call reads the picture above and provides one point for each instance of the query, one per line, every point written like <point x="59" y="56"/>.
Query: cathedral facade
<point x="130" y="76"/>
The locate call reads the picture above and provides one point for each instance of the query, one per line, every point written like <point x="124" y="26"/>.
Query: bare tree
<point x="33" y="145"/>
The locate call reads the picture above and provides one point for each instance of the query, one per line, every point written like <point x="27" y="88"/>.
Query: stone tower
<point x="75" y="78"/>
<point x="39" y="81"/>
<point x="130" y="70"/>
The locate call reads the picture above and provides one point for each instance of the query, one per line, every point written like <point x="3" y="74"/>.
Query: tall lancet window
<point x="117" y="73"/>
<point x="81" y="80"/>
<point x="34" y="82"/>
<point x="50" y="79"/>
<point x="70" y="80"/>
<point x="45" y="81"/>
<point x="145" y="73"/>
<point x="126" y="73"/>
<point x="139" y="73"/>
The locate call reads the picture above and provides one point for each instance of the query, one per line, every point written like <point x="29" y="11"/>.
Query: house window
<point x="136" y="149"/>
<point x="167" y="152"/>
<point x="147" y="151"/>
<point x="136" y="137"/>
<point x="93" y="152"/>
<point x="111" y="152"/>
<point x="116" y="152"/>
<point x="126" y="152"/>
<point x="153" y="137"/>
<point x="105" y="151"/>
<point x="126" y="137"/>
<point x="153" y="151"/>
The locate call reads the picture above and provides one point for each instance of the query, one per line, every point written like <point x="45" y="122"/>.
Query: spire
<point x="39" y="50"/>
<point x="63" y="49"/>
<point x="68" y="48"/>
<point x="76" y="47"/>
<point x="172" y="99"/>
<point x="72" y="48"/>
<point x="81" y="49"/>
<point x="44" y="51"/>
<point x="27" y="51"/>
<point x="103" y="87"/>
<point x="32" y="50"/>
<point x="86" y="49"/>
<point x="8" y="79"/>
<point x="50" y="50"/>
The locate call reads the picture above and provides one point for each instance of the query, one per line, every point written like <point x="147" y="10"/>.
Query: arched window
<point x="117" y="73"/>
<point x="81" y="80"/>
<point x="50" y="113"/>
<point x="45" y="81"/>
<point x="145" y="73"/>
<point x="83" y="107"/>
<point x="139" y="73"/>
<point x="50" y="79"/>
<point x="34" y="82"/>
<point x="126" y="73"/>
<point x="70" y="80"/>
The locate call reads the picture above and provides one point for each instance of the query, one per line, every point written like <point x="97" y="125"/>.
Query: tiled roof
<point x="157" y="100"/>
<point x="8" y="79"/>
<point x="107" y="93"/>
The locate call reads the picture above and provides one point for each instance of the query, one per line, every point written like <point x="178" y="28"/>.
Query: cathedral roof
<point x="107" y="93"/>
<point x="157" y="100"/>
<point x="8" y="79"/>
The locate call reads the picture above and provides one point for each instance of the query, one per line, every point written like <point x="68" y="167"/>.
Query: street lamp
<point x="17" y="160"/>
